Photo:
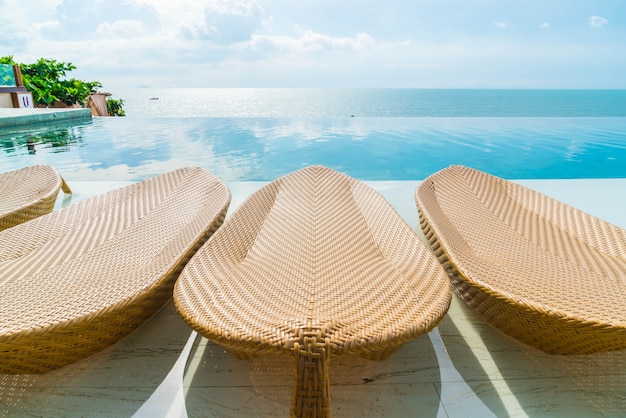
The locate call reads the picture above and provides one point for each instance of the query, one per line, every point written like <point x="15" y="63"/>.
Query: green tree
<point x="76" y="91"/>
<point x="47" y="80"/>
<point x="115" y="107"/>
<point x="7" y="60"/>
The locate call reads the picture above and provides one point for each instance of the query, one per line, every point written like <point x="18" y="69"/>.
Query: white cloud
<point x="597" y="21"/>
<point x="49" y="25"/>
<point x="77" y="19"/>
<point x="121" y="29"/>
<point x="247" y="43"/>
<point x="311" y="42"/>
<point x="228" y="21"/>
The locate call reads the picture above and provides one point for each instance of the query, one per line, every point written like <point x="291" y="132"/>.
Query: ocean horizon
<point x="370" y="134"/>
<point x="371" y="102"/>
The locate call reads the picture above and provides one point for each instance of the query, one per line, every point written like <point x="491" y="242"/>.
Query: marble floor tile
<point x="387" y="400"/>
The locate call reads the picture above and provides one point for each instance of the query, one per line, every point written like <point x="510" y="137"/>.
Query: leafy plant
<point x="7" y="60"/>
<point x="47" y="80"/>
<point x="115" y="107"/>
<point x="76" y="91"/>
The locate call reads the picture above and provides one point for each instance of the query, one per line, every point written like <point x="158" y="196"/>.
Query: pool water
<point x="367" y="148"/>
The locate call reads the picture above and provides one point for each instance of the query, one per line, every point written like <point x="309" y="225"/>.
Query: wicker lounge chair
<point x="28" y="193"/>
<point x="313" y="264"/>
<point x="79" y="279"/>
<point x="536" y="269"/>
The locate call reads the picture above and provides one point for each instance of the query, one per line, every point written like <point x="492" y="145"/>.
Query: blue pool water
<point x="261" y="134"/>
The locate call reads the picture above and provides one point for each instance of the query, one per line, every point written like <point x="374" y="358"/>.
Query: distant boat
<point x="154" y="98"/>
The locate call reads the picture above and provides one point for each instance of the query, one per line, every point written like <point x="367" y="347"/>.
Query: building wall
<point x="5" y="100"/>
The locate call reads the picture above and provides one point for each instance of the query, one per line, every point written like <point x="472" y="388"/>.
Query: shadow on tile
<point x="217" y="384"/>
<point x="512" y="378"/>
<point x="113" y="382"/>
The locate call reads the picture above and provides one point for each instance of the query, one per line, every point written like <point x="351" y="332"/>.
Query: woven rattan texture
<point x="314" y="264"/>
<point x="539" y="270"/>
<point x="28" y="193"/>
<point x="79" y="279"/>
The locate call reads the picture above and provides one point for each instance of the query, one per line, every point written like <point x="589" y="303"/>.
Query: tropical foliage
<point x="47" y="80"/>
<point x="115" y="107"/>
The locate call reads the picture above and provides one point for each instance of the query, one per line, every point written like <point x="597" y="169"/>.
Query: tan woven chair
<point x="81" y="278"/>
<point x="313" y="264"/>
<point x="537" y="269"/>
<point x="28" y="193"/>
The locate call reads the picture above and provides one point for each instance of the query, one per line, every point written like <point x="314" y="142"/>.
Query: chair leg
<point x="66" y="189"/>
<point x="311" y="393"/>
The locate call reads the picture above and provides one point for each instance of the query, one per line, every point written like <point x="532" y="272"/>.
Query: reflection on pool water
<point x="380" y="148"/>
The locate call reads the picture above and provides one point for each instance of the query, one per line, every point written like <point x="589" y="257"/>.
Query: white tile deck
<point x="463" y="368"/>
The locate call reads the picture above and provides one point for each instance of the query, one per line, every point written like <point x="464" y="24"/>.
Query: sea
<point x="371" y="134"/>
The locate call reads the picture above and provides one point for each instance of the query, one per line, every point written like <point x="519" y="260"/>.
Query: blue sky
<point x="323" y="43"/>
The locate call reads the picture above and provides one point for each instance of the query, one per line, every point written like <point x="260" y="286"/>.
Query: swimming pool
<point x="367" y="148"/>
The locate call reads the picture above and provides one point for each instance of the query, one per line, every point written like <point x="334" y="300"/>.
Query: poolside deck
<point x="16" y="118"/>
<point x="463" y="368"/>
